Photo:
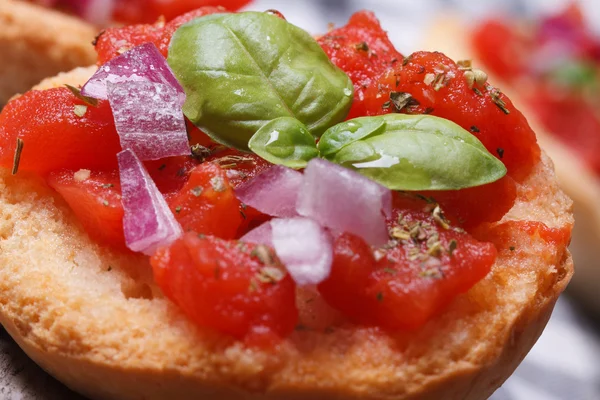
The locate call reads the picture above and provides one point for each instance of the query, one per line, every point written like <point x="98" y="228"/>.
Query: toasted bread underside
<point x="95" y="320"/>
<point x="36" y="42"/>
<point x="451" y="37"/>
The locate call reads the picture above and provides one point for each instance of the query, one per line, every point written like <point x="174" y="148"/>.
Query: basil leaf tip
<point x="242" y="70"/>
<point x="284" y="141"/>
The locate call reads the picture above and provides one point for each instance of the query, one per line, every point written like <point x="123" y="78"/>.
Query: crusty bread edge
<point x="466" y="383"/>
<point x="450" y="35"/>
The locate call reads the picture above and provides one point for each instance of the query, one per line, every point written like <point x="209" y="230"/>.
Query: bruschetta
<point x="415" y="251"/>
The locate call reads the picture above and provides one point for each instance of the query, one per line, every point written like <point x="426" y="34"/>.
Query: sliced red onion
<point x="345" y="201"/>
<point x="149" y="119"/>
<point x="148" y="222"/>
<point x="142" y="63"/>
<point x="263" y="234"/>
<point x="274" y="192"/>
<point x="302" y="245"/>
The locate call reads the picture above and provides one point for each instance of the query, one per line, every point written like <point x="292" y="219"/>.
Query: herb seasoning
<point x="17" y="157"/>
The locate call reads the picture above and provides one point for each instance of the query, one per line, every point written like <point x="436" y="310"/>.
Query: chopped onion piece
<point x="148" y="222"/>
<point x="345" y="201"/>
<point x="262" y="234"/>
<point x="149" y="119"/>
<point x="302" y="245"/>
<point x="274" y="192"/>
<point x="142" y="63"/>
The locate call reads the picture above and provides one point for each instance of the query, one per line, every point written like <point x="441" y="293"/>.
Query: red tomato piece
<point x="135" y="11"/>
<point x="207" y="203"/>
<point x="474" y="206"/>
<point x="242" y="167"/>
<point x="198" y="137"/>
<point x="363" y="50"/>
<point x="405" y="284"/>
<point x="54" y="136"/>
<point x="438" y="87"/>
<point x="235" y="288"/>
<point x="170" y="174"/>
<point x="172" y="26"/>
<point x="95" y="200"/>
<point x="570" y="116"/>
<point x="113" y="42"/>
<point x="502" y="49"/>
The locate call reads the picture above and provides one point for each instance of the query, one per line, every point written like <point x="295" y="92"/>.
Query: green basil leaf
<point x="242" y="70"/>
<point x="421" y="152"/>
<point x="340" y="135"/>
<point x="284" y="141"/>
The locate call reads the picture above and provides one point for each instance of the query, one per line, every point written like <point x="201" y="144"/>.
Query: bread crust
<point x="450" y="36"/>
<point x="36" y="42"/>
<point x="95" y="320"/>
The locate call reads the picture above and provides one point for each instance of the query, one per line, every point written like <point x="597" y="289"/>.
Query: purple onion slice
<point x="302" y="245"/>
<point x="149" y="119"/>
<point x="148" y="222"/>
<point x="262" y="234"/>
<point x="142" y="63"/>
<point x="345" y="201"/>
<point x="274" y="192"/>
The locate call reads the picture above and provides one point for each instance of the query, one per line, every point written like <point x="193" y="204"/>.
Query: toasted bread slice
<point x="450" y="36"/>
<point x="95" y="320"/>
<point x="36" y="42"/>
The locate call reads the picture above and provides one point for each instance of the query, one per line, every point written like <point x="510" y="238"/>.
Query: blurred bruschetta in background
<point x="551" y="71"/>
<point x="36" y="42"/>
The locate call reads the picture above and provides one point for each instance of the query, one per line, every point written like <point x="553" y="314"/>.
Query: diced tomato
<point x="242" y="167"/>
<point x="363" y="50"/>
<point x="135" y="11"/>
<point x="95" y="200"/>
<point x="570" y="116"/>
<point x="198" y="137"/>
<point x="54" y="136"/>
<point x="172" y="26"/>
<point x="501" y="49"/>
<point x="113" y="42"/>
<point x="407" y="283"/>
<point x="170" y="174"/>
<point x="238" y="289"/>
<point x="474" y="206"/>
<point x="207" y="203"/>
<point x="439" y="87"/>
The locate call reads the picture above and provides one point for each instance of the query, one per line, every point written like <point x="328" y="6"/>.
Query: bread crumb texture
<point x="36" y="42"/>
